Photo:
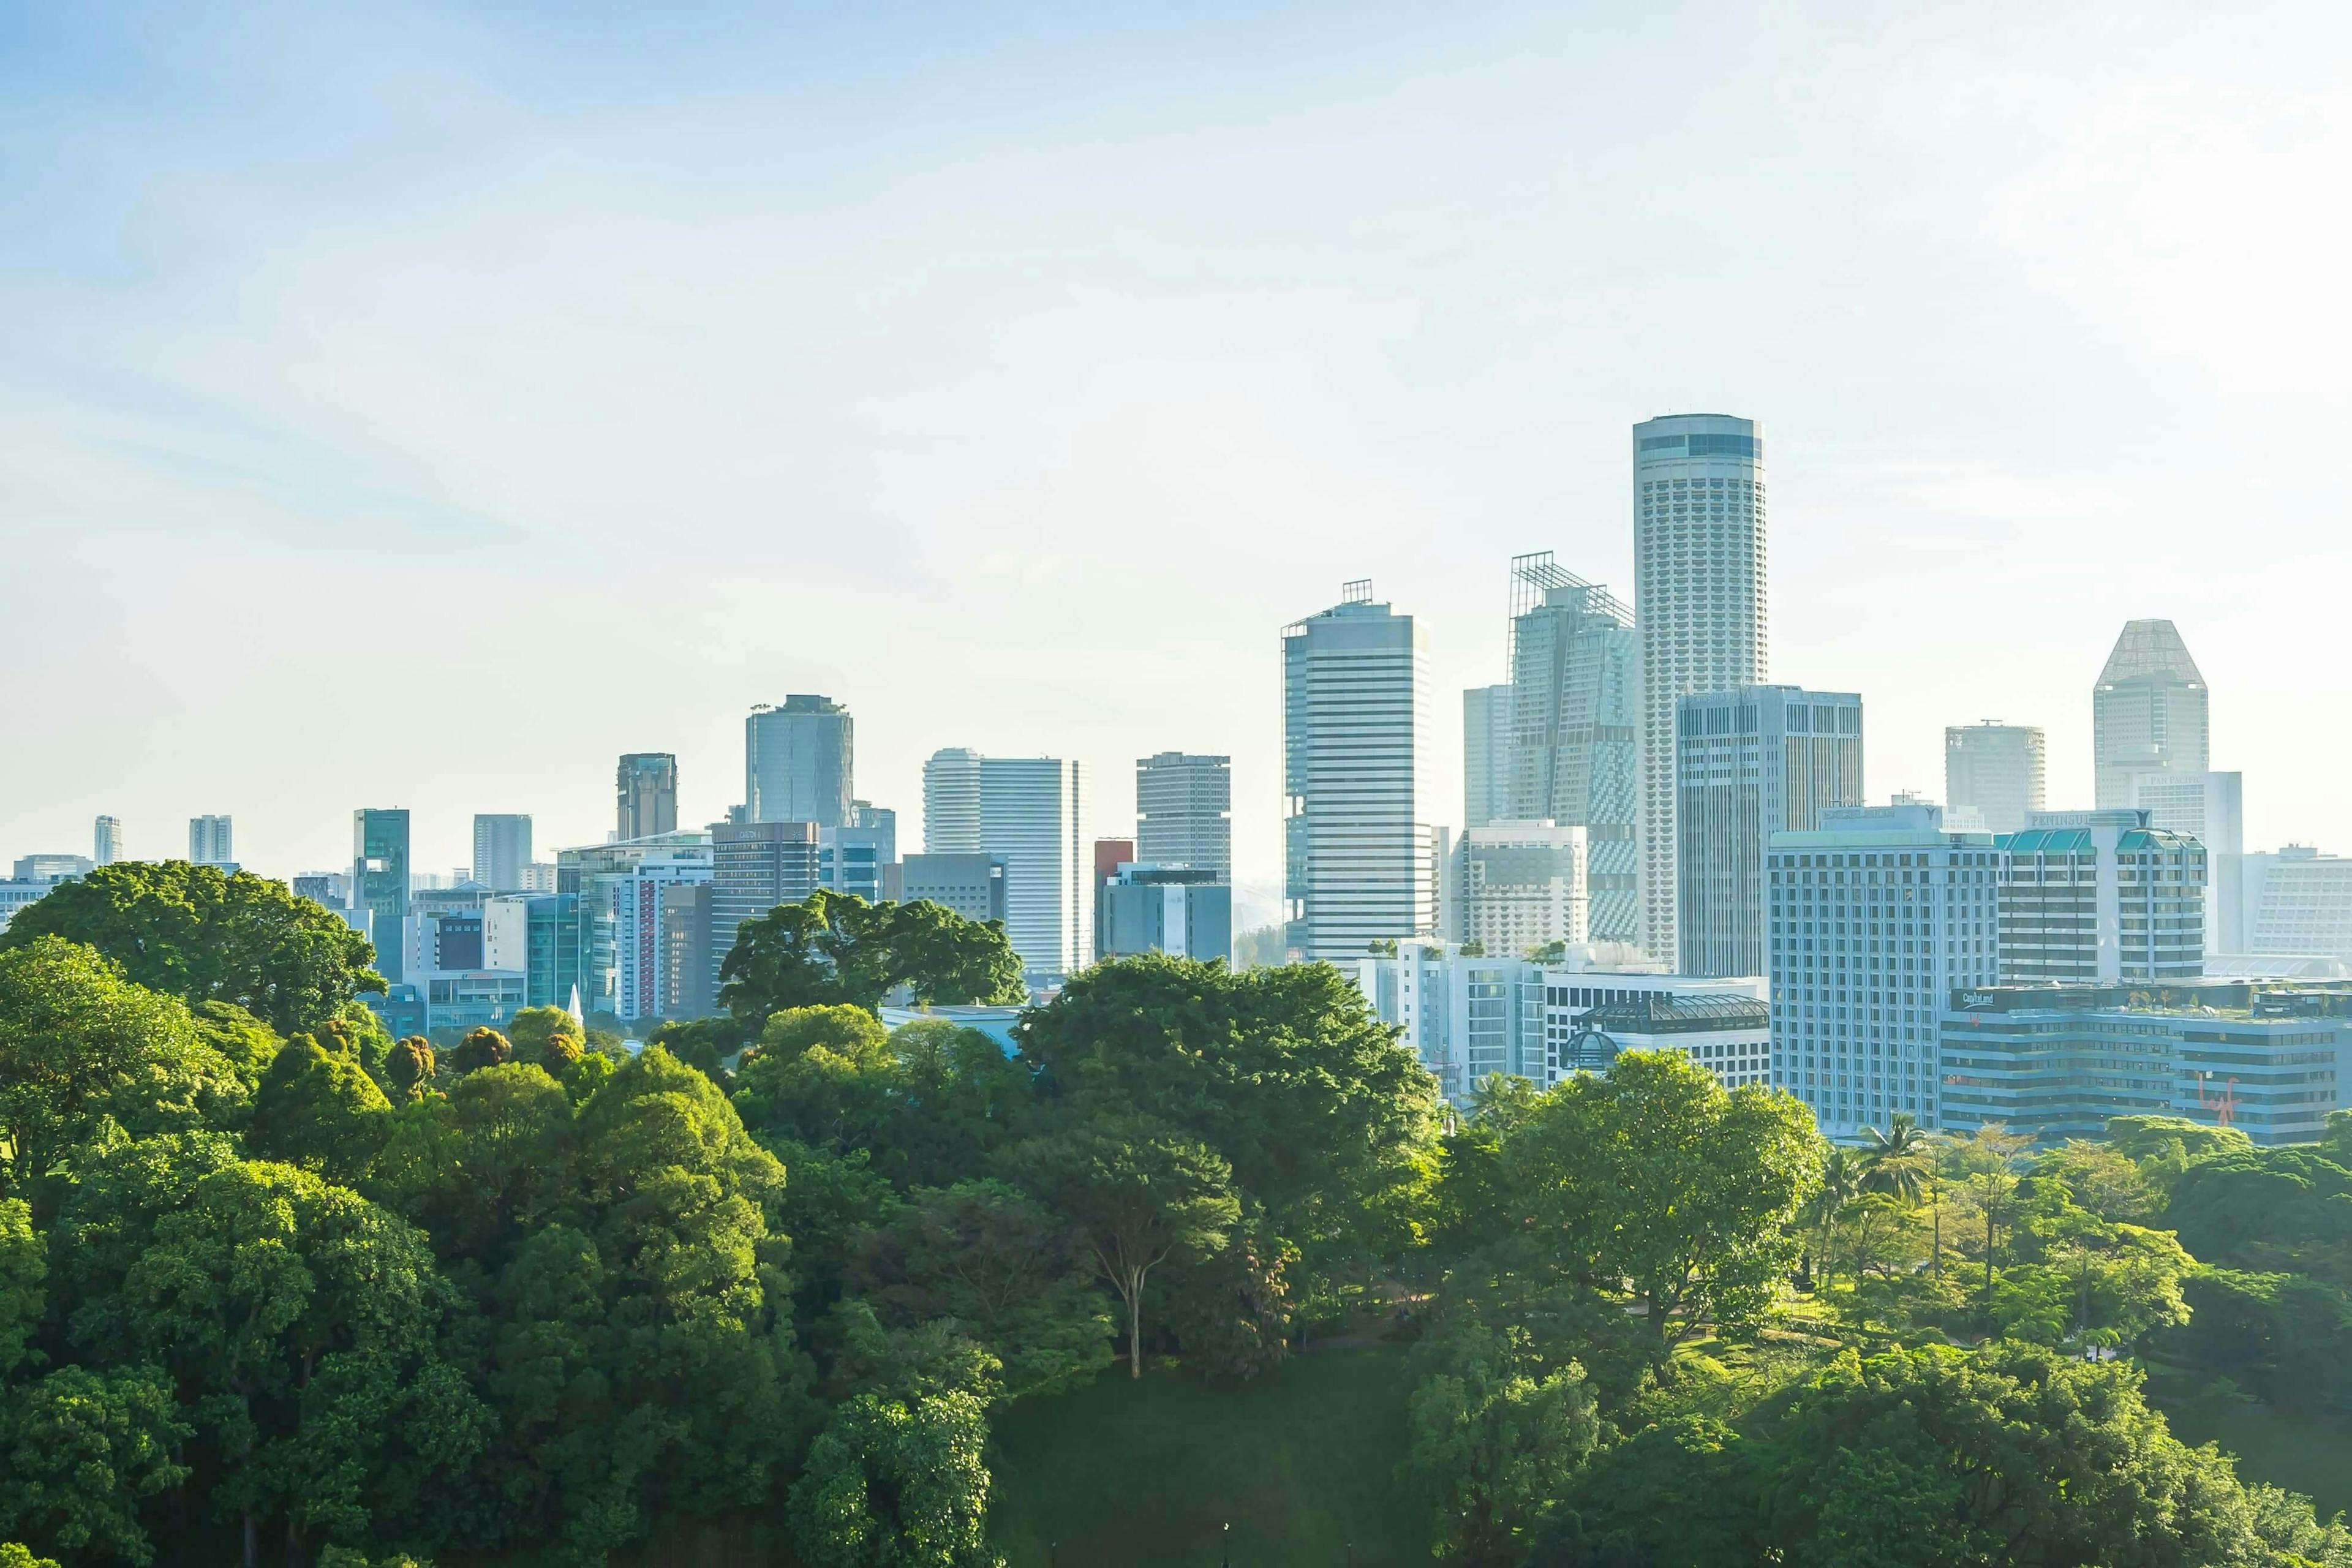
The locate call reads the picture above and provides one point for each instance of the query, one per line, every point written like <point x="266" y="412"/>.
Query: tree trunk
<point x="1990" y="1202"/>
<point x="1135" y="1329"/>
<point x="294" y="1558"/>
<point x="1935" y="1214"/>
<point x="252" y="1541"/>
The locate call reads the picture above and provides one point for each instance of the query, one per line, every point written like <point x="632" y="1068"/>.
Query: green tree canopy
<point x="888" y="1485"/>
<point x="79" y="1451"/>
<point x="548" y="1036"/>
<point x="316" y="1109"/>
<point x="837" y="949"/>
<point x="194" y="932"/>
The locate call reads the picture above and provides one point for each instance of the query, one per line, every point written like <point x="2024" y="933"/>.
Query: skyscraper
<point x="951" y="802"/>
<point x="1575" y="760"/>
<point x="211" y="842"/>
<point x="1184" y="812"/>
<point x="1515" y="886"/>
<point x="799" y="762"/>
<point x="1698" y="604"/>
<point x="1485" y="755"/>
<point x="2100" y="895"/>
<point x="647" y="788"/>
<point x="107" y="845"/>
<point x="755" y="866"/>
<point x="2210" y="807"/>
<point x="1032" y="817"/>
<point x="501" y="850"/>
<point x="2148" y="711"/>
<point x="1753" y="763"/>
<point x="380" y="880"/>
<point x="1998" y="768"/>
<point x="1359" y="855"/>
<point x="883" y="822"/>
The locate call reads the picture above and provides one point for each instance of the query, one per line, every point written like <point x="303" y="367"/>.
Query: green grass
<point x="1301" y="1464"/>
<point x="2297" y="1452"/>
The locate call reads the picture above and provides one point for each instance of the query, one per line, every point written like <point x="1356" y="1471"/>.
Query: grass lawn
<point x="2314" y="1457"/>
<point x="1301" y="1464"/>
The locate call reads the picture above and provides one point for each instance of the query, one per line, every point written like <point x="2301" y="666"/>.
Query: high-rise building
<point x="211" y="841"/>
<point x="972" y="884"/>
<point x="647" y="782"/>
<point x="1179" y="909"/>
<point x="2148" y="711"/>
<point x="882" y="822"/>
<point x="1998" y="768"/>
<point x="951" y="802"/>
<point x="1575" y="755"/>
<point x="2298" y="904"/>
<point x="799" y="760"/>
<point x="592" y="874"/>
<point x="1032" y="817"/>
<point x="502" y="851"/>
<point x="1512" y="887"/>
<point x="1184" y="812"/>
<point x="1699" y="606"/>
<point x="1359" y="853"/>
<point x="755" y="866"/>
<point x="689" y="983"/>
<point x="1759" y="760"/>
<point x="2100" y="897"/>
<point x="852" y="860"/>
<point x="52" y="868"/>
<point x="647" y="946"/>
<point x="538" y="935"/>
<point x="1485" y="755"/>
<point x="2211" y="809"/>
<point x="333" y="889"/>
<point x="1878" y="914"/>
<point x="107" y="845"/>
<point x="380" y="880"/>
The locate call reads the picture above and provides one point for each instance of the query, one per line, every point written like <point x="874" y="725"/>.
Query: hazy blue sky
<point x="419" y="407"/>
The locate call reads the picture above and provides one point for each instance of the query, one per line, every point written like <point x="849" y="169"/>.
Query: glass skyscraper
<point x="647" y="788"/>
<point x="1698" y="604"/>
<point x="2147" y="712"/>
<point x="1184" y="812"/>
<point x="380" y="880"/>
<point x="1997" y="768"/>
<point x="798" y="762"/>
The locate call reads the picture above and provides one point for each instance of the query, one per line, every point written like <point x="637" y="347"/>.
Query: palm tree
<point x="1841" y="1182"/>
<point x="1901" y="1163"/>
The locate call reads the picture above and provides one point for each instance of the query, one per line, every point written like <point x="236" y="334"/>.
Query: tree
<point x="316" y="1109"/>
<point x="1901" y="1164"/>
<point x="1655" y="1176"/>
<point x="1990" y="1156"/>
<point x="989" y="1259"/>
<point x="79" y="1044"/>
<point x="888" y="1485"/>
<point x="1493" y="1444"/>
<point x="482" y="1048"/>
<point x="1139" y="1194"/>
<point x="24" y="1268"/>
<point x="197" y="933"/>
<point x="410" y="1065"/>
<point x="548" y="1036"/>
<point x="79" y="1451"/>
<point x="850" y="1031"/>
<point x="1841" y="1183"/>
<point x="837" y="949"/>
<point x="476" y="1165"/>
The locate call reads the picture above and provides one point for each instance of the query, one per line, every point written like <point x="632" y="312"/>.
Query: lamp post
<point x="1228" y="1536"/>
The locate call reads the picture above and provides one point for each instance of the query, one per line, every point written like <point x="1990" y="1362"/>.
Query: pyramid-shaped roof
<point x="2150" y="648"/>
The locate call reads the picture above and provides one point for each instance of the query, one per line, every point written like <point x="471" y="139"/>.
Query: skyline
<point x="524" y="340"/>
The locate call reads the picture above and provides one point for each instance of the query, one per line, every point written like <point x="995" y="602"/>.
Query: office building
<point x="688" y="981"/>
<point x="536" y="936"/>
<point x="52" y="868"/>
<point x="647" y="984"/>
<point x="2057" y="1061"/>
<point x="2148" y="712"/>
<point x="1485" y="755"/>
<point x="502" y="851"/>
<point x="538" y="877"/>
<point x="1699" y="604"/>
<point x="1514" y="887"/>
<point x="852" y="860"/>
<point x="1359" y="853"/>
<point x="1575" y="752"/>
<point x="755" y="866"/>
<point x="1754" y="763"/>
<point x="1184" y="812"/>
<point x="951" y="802"/>
<point x="2211" y="809"/>
<point x="1032" y="817"/>
<point x="799" y="760"/>
<point x="442" y="940"/>
<point x="16" y="892"/>
<point x="1177" y="909"/>
<point x="1468" y="1018"/>
<point x="646" y="784"/>
<point x="1877" y="915"/>
<point x="211" y="842"/>
<point x="2297" y="903"/>
<point x="1110" y="854"/>
<point x="592" y="874"/>
<point x="380" y="880"/>
<point x="106" y="841"/>
<point x="882" y="822"/>
<point x="1729" y="1035"/>
<point x="333" y="889"/>
<point x="1998" y="769"/>
<point x="972" y="885"/>
<point x="2100" y="897"/>
<point x="400" y="1008"/>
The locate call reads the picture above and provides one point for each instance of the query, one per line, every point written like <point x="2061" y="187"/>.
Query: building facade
<point x="1699" y="606"/>
<point x="2298" y="903"/>
<point x="2100" y="897"/>
<point x="1730" y="1037"/>
<point x="538" y="935"/>
<point x="880" y="821"/>
<point x="951" y="802"/>
<point x="2148" y="712"/>
<point x="212" y="841"/>
<point x="501" y="850"/>
<point x="2210" y="807"/>
<point x="1032" y="817"/>
<point x="106" y="846"/>
<point x="1358" y="853"/>
<point x="648" y="928"/>
<point x="380" y="879"/>
<point x="755" y="866"/>
<point x="1877" y="914"/>
<point x="1575" y="752"/>
<point x="852" y="860"/>
<point x="1485" y="755"/>
<point x="972" y="885"/>
<point x="646" y="784"/>
<point x="1514" y="887"/>
<point x="800" y="761"/>
<point x="590" y="875"/>
<point x="1184" y="812"/>
<point x="1177" y="909"/>
<point x="2001" y="770"/>
<point x="1751" y="764"/>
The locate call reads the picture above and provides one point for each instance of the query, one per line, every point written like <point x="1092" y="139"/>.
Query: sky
<point x="417" y="405"/>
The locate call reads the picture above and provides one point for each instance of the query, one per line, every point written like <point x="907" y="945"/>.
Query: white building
<point x="1514" y="886"/>
<point x="951" y="802"/>
<point x="1485" y="755"/>
<point x="641" y="983"/>
<point x="1359" y="853"/>
<point x="1878" y="914"/>
<point x="1729" y="1035"/>
<point x="502" y="851"/>
<point x="2297" y="904"/>
<point x="1029" y="813"/>
<point x="2148" y="712"/>
<point x="211" y="841"/>
<point x="2211" y="809"/>
<point x="2100" y="895"/>
<point x="1184" y="812"/>
<point x="2000" y="770"/>
<point x="1698" y="607"/>
<point x="106" y="846"/>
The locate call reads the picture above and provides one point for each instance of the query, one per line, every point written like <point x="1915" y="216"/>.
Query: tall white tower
<point x="1359" y="857"/>
<point x="2149" y="712"/>
<point x="1698" y="607"/>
